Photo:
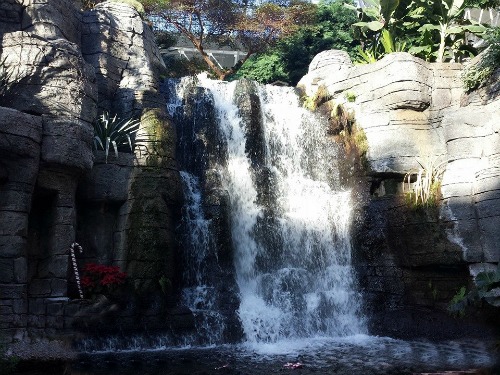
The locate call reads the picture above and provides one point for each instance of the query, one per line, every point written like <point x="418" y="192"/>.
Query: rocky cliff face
<point x="413" y="259"/>
<point x="63" y="67"/>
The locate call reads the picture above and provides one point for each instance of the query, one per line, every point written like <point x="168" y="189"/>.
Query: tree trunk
<point x="221" y="74"/>
<point x="442" y="45"/>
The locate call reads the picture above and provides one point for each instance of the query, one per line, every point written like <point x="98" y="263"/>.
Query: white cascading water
<point x="198" y="295"/>
<point x="305" y="288"/>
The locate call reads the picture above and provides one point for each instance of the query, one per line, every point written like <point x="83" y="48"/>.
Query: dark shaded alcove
<point x="40" y="227"/>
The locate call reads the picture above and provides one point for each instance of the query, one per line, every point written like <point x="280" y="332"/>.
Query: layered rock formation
<point x="411" y="113"/>
<point x="64" y="67"/>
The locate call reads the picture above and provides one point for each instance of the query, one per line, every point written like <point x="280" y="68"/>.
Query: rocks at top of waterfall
<point x="392" y="104"/>
<point x="329" y="58"/>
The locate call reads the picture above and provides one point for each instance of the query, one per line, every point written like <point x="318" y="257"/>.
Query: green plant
<point x="89" y="4"/>
<point x="313" y="102"/>
<point x="478" y="74"/>
<point x="423" y="186"/>
<point x="134" y="3"/>
<point x="289" y="60"/>
<point x="486" y="288"/>
<point x="447" y="20"/>
<point x="375" y="30"/>
<point x="367" y="55"/>
<point x="350" y="96"/>
<point x="5" y="77"/>
<point x="111" y="131"/>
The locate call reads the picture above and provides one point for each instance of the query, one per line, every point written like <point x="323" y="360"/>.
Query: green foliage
<point x="350" y="96"/>
<point x="486" y="288"/>
<point x="5" y="77"/>
<point x="448" y="24"/>
<point x="477" y="75"/>
<point x="289" y="60"/>
<point x="111" y="131"/>
<point x="376" y="30"/>
<point x="423" y="186"/>
<point x="265" y="68"/>
<point x="431" y="29"/>
<point x="313" y="102"/>
<point x="89" y="4"/>
<point x="136" y="4"/>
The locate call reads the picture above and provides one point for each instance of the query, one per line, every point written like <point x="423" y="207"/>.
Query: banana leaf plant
<point x="376" y="21"/>
<point x="450" y="25"/>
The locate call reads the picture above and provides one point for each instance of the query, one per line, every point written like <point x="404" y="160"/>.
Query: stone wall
<point x="412" y="261"/>
<point x="65" y="68"/>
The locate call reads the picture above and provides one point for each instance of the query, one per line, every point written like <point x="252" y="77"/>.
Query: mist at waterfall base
<point x="291" y="284"/>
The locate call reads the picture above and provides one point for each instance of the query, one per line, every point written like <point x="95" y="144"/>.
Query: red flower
<point x="99" y="278"/>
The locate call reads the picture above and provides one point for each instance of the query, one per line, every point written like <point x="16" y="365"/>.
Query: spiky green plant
<point x="5" y="77"/>
<point x="423" y="185"/>
<point x="111" y="131"/>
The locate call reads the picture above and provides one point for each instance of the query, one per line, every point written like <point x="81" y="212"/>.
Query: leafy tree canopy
<point x="238" y="22"/>
<point x="289" y="59"/>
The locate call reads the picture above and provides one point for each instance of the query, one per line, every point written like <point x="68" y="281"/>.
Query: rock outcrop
<point x="62" y="68"/>
<point x="412" y="112"/>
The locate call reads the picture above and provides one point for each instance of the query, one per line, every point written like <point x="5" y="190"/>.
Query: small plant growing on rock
<point x="486" y="288"/>
<point x="423" y="186"/>
<point x="111" y="131"/>
<point x="5" y="77"/>
<point x="320" y="96"/>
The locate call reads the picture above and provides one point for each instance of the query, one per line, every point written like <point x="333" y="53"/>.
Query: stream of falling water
<point x="292" y="252"/>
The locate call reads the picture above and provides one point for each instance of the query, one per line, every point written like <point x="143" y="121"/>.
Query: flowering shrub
<point x="101" y="279"/>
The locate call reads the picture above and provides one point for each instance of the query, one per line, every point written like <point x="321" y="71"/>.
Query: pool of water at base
<point x="363" y="355"/>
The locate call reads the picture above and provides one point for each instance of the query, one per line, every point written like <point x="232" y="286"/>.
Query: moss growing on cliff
<point x="137" y="5"/>
<point x="345" y="130"/>
<point x="89" y="4"/>
<point x="156" y="142"/>
<point x="320" y="97"/>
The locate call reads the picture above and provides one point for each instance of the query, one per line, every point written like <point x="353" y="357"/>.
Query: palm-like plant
<point x="5" y="77"/>
<point x="111" y="131"/>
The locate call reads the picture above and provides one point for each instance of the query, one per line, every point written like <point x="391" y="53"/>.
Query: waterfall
<point x="198" y="295"/>
<point x="289" y="218"/>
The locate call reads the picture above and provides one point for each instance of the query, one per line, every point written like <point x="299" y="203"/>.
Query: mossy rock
<point x="134" y="3"/>
<point x="157" y="137"/>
